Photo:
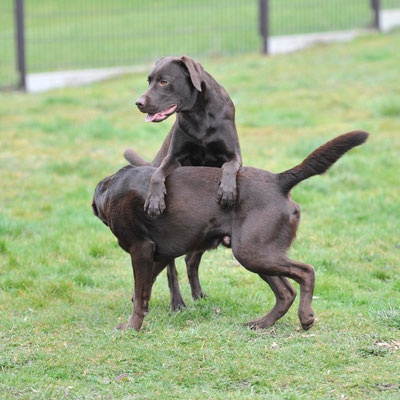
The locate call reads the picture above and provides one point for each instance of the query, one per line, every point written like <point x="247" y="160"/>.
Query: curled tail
<point x="133" y="158"/>
<point x="321" y="159"/>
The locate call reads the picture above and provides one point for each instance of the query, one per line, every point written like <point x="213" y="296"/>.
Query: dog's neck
<point x="205" y="112"/>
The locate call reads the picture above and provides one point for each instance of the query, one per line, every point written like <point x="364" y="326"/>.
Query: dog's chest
<point x="212" y="154"/>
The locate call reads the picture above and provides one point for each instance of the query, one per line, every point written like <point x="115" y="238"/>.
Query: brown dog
<point x="204" y="134"/>
<point x="262" y="225"/>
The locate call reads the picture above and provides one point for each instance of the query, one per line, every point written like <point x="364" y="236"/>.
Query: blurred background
<point x="47" y="35"/>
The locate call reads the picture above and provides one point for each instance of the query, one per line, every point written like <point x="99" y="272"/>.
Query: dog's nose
<point x="140" y="103"/>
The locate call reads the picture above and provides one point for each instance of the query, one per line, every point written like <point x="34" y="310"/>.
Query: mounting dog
<point x="204" y="134"/>
<point x="261" y="225"/>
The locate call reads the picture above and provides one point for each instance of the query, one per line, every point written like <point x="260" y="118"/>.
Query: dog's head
<point x="174" y="84"/>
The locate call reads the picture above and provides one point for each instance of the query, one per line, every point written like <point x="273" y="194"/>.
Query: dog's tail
<point x="133" y="158"/>
<point x="321" y="159"/>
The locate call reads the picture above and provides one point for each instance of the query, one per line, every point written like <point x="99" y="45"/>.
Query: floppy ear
<point x="94" y="208"/>
<point x="195" y="71"/>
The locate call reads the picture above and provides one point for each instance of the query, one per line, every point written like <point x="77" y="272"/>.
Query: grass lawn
<point x="65" y="283"/>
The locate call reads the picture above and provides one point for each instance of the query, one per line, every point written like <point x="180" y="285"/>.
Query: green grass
<point x="74" y="34"/>
<point x="65" y="283"/>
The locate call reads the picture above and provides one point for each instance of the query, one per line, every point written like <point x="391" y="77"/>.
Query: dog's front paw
<point x="154" y="205"/>
<point x="226" y="195"/>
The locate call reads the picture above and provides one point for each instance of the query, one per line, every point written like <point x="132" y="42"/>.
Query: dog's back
<point x="194" y="220"/>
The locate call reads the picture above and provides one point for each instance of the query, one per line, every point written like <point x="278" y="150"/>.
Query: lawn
<point x="65" y="283"/>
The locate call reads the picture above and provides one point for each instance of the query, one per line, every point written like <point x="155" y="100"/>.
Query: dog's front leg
<point x="155" y="202"/>
<point x="142" y="257"/>
<point x="227" y="192"/>
<point x="145" y="272"/>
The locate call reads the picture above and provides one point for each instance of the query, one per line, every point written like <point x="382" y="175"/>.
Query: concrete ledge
<point x="389" y="20"/>
<point x="291" y="43"/>
<point x="44" y="81"/>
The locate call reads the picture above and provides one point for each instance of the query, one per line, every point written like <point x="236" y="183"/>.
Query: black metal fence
<point x="47" y="35"/>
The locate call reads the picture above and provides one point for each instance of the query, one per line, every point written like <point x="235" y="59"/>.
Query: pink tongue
<point x="150" y="117"/>
<point x="161" y="115"/>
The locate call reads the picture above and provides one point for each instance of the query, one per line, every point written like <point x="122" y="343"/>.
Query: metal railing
<point x="38" y="35"/>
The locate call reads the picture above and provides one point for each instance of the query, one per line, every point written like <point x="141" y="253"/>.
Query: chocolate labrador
<point x="204" y="134"/>
<point x="261" y="225"/>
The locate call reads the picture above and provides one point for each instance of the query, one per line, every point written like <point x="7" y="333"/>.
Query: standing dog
<point x="204" y="134"/>
<point x="261" y="225"/>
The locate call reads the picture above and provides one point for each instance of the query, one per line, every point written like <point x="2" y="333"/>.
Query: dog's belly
<point x="165" y="250"/>
<point x="200" y="226"/>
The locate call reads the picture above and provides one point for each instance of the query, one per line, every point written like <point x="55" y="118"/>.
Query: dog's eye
<point x="163" y="82"/>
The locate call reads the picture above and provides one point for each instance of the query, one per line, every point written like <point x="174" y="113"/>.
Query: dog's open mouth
<point x="160" y="116"/>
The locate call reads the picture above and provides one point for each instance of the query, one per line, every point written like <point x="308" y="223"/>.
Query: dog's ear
<point x="195" y="71"/>
<point x="96" y="212"/>
<point x="94" y="208"/>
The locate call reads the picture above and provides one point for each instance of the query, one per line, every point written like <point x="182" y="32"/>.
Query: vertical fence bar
<point x="263" y="14"/>
<point x="376" y="8"/>
<point x="20" y="42"/>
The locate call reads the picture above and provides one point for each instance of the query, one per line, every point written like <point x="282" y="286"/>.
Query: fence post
<point x="20" y="42"/>
<point x="263" y="13"/>
<point x="376" y="8"/>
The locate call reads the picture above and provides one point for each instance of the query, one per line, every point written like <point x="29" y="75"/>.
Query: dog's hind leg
<point x="279" y="265"/>
<point x="192" y="266"/>
<point x="145" y="271"/>
<point x="174" y="290"/>
<point x="304" y="274"/>
<point x="284" y="295"/>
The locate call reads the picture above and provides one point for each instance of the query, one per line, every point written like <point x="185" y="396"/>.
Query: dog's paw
<point x="307" y="324"/>
<point x="260" y="323"/>
<point x="154" y="205"/>
<point x="226" y="196"/>
<point x="122" y="327"/>
<point x="307" y="319"/>
<point x="177" y="304"/>
<point x="198" y="294"/>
